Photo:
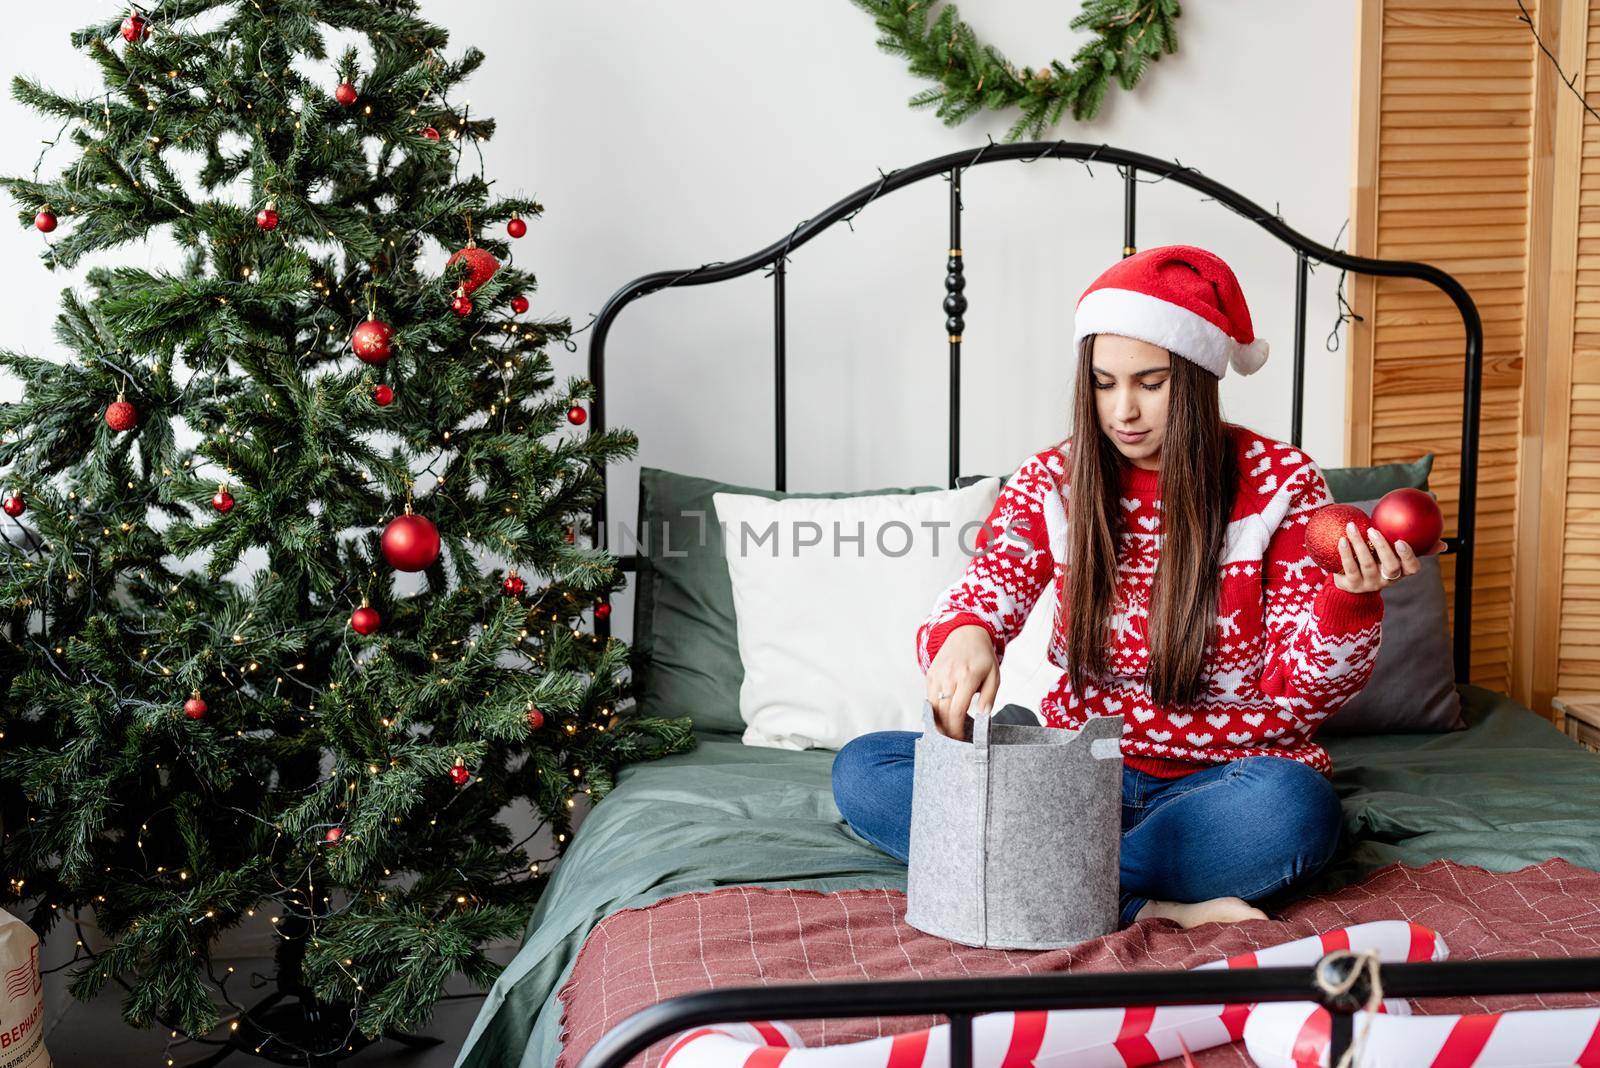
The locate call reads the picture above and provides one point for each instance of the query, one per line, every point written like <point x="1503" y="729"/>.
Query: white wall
<point x="665" y="135"/>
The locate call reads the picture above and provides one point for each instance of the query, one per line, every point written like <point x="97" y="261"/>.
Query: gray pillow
<point x="1413" y="684"/>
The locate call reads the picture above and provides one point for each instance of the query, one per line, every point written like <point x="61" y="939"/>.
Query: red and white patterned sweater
<point x="1289" y="647"/>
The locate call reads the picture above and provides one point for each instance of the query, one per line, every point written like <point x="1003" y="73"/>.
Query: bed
<point x="1505" y="795"/>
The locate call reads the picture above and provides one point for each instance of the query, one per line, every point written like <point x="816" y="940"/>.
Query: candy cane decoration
<point x="1083" y="1038"/>
<point x="1295" y="1034"/>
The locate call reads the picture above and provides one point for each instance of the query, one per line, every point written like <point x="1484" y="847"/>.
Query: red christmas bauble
<point x="15" y="505"/>
<point x="135" y="28"/>
<point x="195" y="707"/>
<point x="410" y="542"/>
<point x="382" y="395"/>
<point x="121" y="416"/>
<point x="519" y="304"/>
<point x="365" y="620"/>
<point x="459" y="774"/>
<point x="516" y="227"/>
<point x="346" y="94"/>
<point x="223" y="501"/>
<point x="462" y="305"/>
<point x="45" y="221"/>
<point x="1411" y="516"/>
<point x="576" y="415"/>
<point x="535" y="718"/>
<point x="513" y="585"/>
<point x="267" y="218"/>
<point x="1326" y="527"/>
<point x="571" y="535"/>
<point x="332" y="835"/>
<point x="372" y="341"/>
<point x="602" y="610"/>
<point x="481" y="266"/>
<point x="430" y="133"/>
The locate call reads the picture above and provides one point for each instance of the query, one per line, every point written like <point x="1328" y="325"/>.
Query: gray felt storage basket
<point x="1016" y="836"/>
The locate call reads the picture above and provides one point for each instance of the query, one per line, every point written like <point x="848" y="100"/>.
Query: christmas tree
<point x="296" y="578"/>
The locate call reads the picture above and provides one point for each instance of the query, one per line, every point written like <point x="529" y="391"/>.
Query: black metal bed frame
<point x="961" y="999"/>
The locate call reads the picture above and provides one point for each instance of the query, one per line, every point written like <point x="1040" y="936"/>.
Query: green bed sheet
<point x="1509" y="791"/>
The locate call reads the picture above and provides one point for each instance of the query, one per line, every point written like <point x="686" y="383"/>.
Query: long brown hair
<point x="1198" y="479"/>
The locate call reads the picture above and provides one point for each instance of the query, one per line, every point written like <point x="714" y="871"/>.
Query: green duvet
<point x="1508" y="792"/>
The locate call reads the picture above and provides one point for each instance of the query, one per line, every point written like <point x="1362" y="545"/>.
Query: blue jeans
<point x="1247" y="829"/>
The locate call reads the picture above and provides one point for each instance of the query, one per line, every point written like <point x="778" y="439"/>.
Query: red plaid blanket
<point x="743" y="936"/>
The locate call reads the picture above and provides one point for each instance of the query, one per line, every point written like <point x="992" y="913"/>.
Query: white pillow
<point x="828" y="639"/>
<point x="1027" y="674"/>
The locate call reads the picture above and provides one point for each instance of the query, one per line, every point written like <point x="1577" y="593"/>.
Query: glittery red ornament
<point x="45" y="221"/>
<point x="382" y="395"/>
<point x="1411" y="516"/>
<point x="135" y="28"/>
<point x="459" y="773"/>
<point x="121" y="416"/>
<point x="365" y="620"/>
<point x="602" y="610"/>
<point x="346" y="94"/>
<point x="430" y="133"/>
<point x="535" y="718"/>
<point x="332" y="835"/>
<point x="267" y="217"/>
<point x="519" y="304"/>
<point x="222" y="501"/>
<point x="513" y="585"/>
<point x="410" y="542"/>
<point x="516" y="227"/>
<point x="372" y="340"/>
<point x="15" y="505"/>
<point x="481" y="266"/>
<point x="576" y="415"/>
<point x="462" y="305"/>
<point x="1326" y="527"/>
<point x="195" y="707"/>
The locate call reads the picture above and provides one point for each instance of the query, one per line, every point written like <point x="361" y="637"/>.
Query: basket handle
<point x="980" y="725"/>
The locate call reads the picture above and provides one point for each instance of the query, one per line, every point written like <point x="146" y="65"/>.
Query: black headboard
<point x="1129" y="165"/>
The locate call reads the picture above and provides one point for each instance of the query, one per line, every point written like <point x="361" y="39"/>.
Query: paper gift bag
<point x="21" y="997"/>
<point x="1016" y="836"/>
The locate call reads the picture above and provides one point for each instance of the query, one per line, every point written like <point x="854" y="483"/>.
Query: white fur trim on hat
<point x="1160" y="322"/>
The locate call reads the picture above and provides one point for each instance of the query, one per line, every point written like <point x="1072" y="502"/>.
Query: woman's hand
<point x="1371" y="564"/>
<point x="964" y="671"/>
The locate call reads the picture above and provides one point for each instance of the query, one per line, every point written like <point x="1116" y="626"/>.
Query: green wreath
<point x="1128" y="34"/>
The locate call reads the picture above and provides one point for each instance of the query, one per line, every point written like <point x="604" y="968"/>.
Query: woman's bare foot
<point x="1217" y="910"/>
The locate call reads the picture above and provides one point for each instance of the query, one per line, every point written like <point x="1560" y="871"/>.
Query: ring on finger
<point x="1388" y="577"/>
<point x="941" y="697"/>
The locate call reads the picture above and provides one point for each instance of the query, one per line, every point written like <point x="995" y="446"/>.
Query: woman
<point x="1188" y="605"/>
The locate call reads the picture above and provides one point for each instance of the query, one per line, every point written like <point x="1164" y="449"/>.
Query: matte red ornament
<point x="135" y="28"/>
<point x="459" y="773"/>
<point x="516" y="227"/>
<point x="602" y="610"/>
<point x="267" y="217"/>
<point x="576" y="415"/>
<point x="365" y="620"/>
<point x="519" y="304"/>
<point x="372" y="340"/>
<point x="45" y="221"/>
<point x="1326" y="527"/>
<point x="462" y="305"/>
<point x="121" y="416"/>
<point x="332" y="835"/>
<point x="430" y="133"/>
<point x="15" y="505"/>
<point x="410" y="542"/>
<point x="222" y="501"/>
<point x="195" y="707"/>
<point x="382" y="395"/>
<point x="1411" y="516"/>
<point x="346" y="94"/>
<point x="535" y="718"/>
<point x="571" y="535"/>
<point x="481" y="266"/>
<point x="513" y="585"/>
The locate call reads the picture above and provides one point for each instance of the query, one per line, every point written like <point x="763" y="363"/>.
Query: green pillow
<point x="1349" y="484"/>
<point x="685" y="651"/>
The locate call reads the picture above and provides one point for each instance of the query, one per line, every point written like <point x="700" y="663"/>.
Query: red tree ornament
<point x="195" y="707"/>
<point x="462" y="305"/>
<point x="135" y="28"/>
<point x="332" y="835"/>
<point x="15" y="505"/>
<point x="382" y="395"/>
<point x="516" y="227"/>
<point x="45" y="221"/>
<point x="372" y="340"/>
<point x="365" y="620"/>
<point x="576" y="415"/>
<point x="459" y="773"/>
<point x="513" y="585"/>
<point x="430" y="133"/>
<point x="121" y="416"/>
<point x="410" y="542"/>
<point x="346" y="94"/>
<point x="480" y="266"/>
<point x="519" y="304"/>
<point x="222" y="501"/>
<point x="602" y="610"/>
<point x="267" y="217"/>
<point x="1326" y="527"/>
<point x="535" y="718"/>
<point x="1411" y="516"/>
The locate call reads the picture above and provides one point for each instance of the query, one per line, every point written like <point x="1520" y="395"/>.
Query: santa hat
<point x="1180" y="297"/>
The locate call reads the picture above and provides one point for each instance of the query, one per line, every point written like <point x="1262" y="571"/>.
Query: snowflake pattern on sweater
<point x="1288" y="647"/>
